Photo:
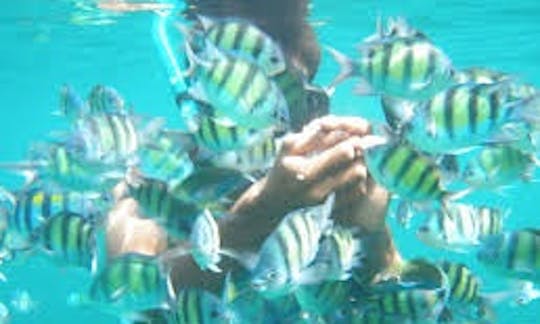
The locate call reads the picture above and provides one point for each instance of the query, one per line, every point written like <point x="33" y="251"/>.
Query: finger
<point x="346" y="177"/>
<point x="311" y="140"/>
<point x="327" y="162"/>
<point x="352" y="125"/>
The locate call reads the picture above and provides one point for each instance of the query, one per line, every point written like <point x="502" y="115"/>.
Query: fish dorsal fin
<point x="206" y="22"/>
<point x="422" y="273"/>
<point x="535" y="231"/>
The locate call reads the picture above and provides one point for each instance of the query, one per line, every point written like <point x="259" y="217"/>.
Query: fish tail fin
<point x="398" y="112"/>
<point x="7" y="200"/>
<point x="528" y="111"/>
<point x="166" y="258"/>
<point x="193" y="59"/>
<point x="456" y="195"/>
<point x="100" y="253"/>
<point x="206" y="242"/>
<point x="72" y="105"/>
<point x="348" y="68"/>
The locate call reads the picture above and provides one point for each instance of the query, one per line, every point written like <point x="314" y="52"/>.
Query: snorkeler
<point x="298" y="178"/>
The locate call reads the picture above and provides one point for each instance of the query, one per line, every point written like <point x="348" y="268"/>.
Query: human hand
<point x="317" y="161"/>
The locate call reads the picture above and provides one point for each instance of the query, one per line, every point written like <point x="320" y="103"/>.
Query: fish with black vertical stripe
<point x="238" y="90"/>
<point x="465" y="299"/>
<point x="156" y="200"/>
<point x="74" y="240"/>
<point x="467" y="115"/>
<point x="514" y="253"/>
<point x="459" y="226"/>
<point x="127" y="284"/>
<point x="209" y="134"/>
<point x="239" y="37"/>
<point x="405" y="65"/>
<point x="193" y="305"/>
<point x="285" y="256"/>
<point x="409" y="174"/>
<point x="498" y="166"/>
<point x="406" y="305"/>
<point x="25" y="212"/>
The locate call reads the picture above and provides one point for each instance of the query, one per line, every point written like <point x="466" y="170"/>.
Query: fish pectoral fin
<point x="417" y="86"/>
<point x="313" y="274"/>
<point x="363" y="88"/>
<point x="118" y="292"/>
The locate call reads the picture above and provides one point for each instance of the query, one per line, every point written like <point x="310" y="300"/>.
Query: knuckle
<point x="360" y="172"/>
<point x="288" y="142"/>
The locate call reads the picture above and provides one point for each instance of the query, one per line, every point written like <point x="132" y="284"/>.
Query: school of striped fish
<point x="448" y="133"/>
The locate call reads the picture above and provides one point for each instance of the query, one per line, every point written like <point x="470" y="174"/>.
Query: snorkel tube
<point x="168" y="49"/>
<point x="163" y="22"/>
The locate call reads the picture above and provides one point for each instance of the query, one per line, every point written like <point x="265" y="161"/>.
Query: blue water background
<point x="43" y="46"/>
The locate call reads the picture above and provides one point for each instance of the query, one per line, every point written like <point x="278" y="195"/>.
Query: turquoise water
<point x="46" y="44"/>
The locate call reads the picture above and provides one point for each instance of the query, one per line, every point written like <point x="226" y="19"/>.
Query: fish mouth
<point x="259" y="285"/>
<point x="422" y="229"/>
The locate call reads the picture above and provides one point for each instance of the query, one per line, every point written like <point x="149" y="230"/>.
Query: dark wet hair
<point x="284" y="20"/>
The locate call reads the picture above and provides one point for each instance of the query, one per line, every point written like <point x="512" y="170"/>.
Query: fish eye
<point x="214" y="313"/>
<point x="272" y="275"/>
<point x="423" y="229"/>
<point x="274" y="59"/>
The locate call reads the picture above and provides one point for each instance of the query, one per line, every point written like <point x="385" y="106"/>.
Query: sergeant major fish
<point x="458" y="226"/>
<point x="194" y="305"/>
<point x="465" y="297"/>
<point x="212" y="135"/>
<point x="239" y="91"/>
<point x="128" y="284"/>
<point x="407" y="66"/>
<point x="513" y="253"/>
<point x="241" y="38"/>
<point x="25" y="212"/>
<point x="75" y="240"/>
<point x="496" y="166"/>
<point x="156" y="200"/>
<point x="285" y="256"/>
<point x="408" y="173"/>
<point x="467" y="115"/>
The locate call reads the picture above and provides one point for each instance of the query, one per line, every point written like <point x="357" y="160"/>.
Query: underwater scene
<point x="284" y="161"/>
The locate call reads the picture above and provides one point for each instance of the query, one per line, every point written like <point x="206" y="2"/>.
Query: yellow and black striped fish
<point x="71" y="238"/>
<point x="241" y="38"/>
<point x="258" y="157"/>
<point x="465" y="300"/>
<point x="461" y="226"/>
<point x="165" y="160"/>
<point x="406" y="172"/>
<point x="239" y="92"/>
<point x="108" y="138"/>
<point x="464" y="285"/>
<point x="194" y="305"/>
<point x="409" y="304"/>
<point x="325" y="297"/>
<point x="211" y="135"/>
<point x="514" y="253"/>
<point x="26" y="212"/>
<point x="129" y="283"/>
<point x="157" y="201"/>
<point x="408" y="66"/>
<point x="105" y="100"/>
<point x="290" y="249"/>
<point x="305" y="101"/>
<point x="499" y="165"/>
<point x="468" y="115"/>
<point x="55" y="163"/>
